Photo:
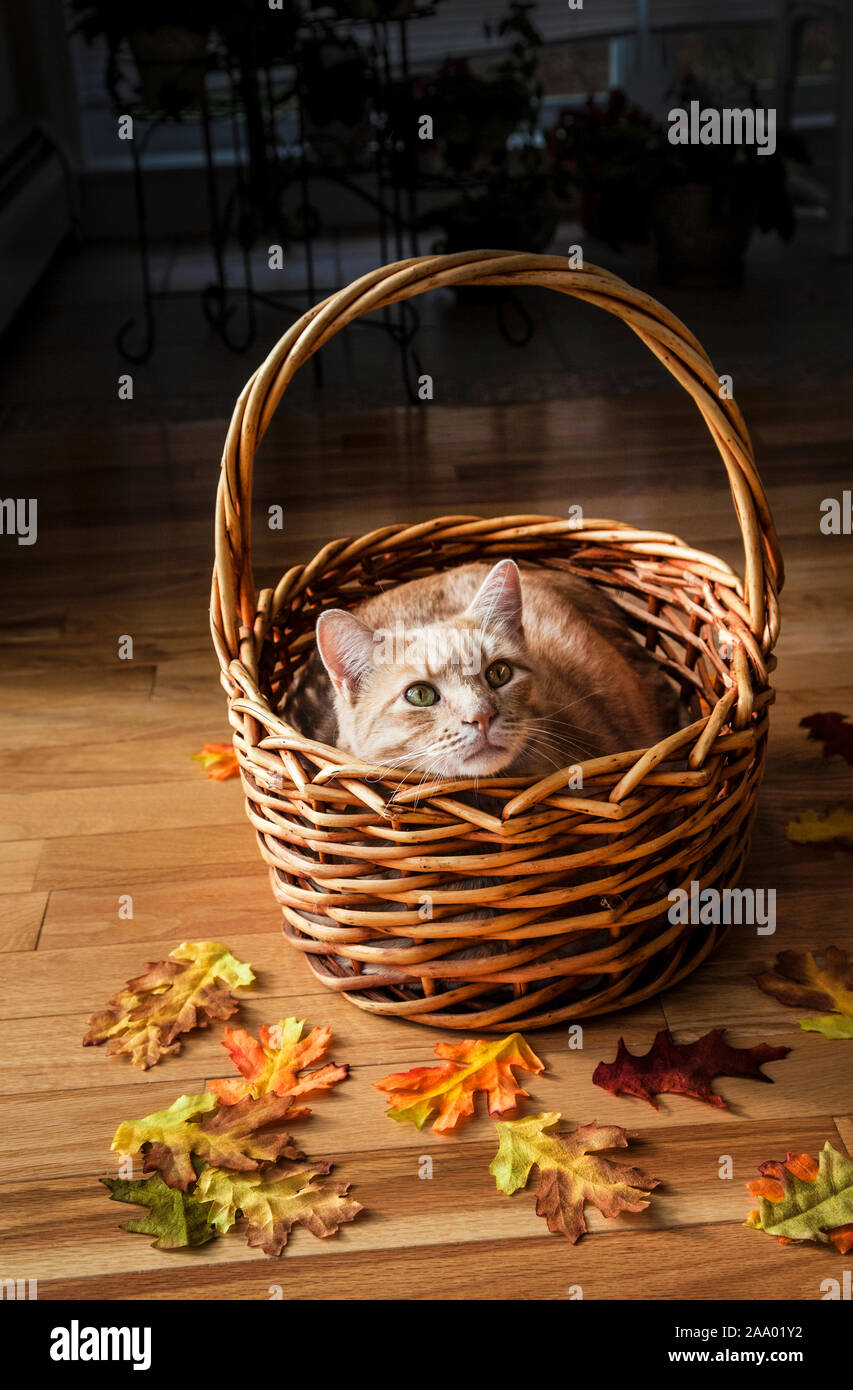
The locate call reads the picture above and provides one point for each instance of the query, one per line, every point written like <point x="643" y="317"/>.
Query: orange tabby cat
<point x="476" y="672"/>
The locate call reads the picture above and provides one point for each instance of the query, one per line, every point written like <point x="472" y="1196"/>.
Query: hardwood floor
<point x="100" y="799"/>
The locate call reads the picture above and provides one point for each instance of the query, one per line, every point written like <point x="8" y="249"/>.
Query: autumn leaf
<point x="273" y="1063"/>
<point x="835" y="826"/>
<point x="683" y="1068"/>
<point x="176" y="1218"/>
<point x="275" y="1200"/>
<point x="218" y="760"/>
<point x="801" y="1199"/>
<point x="449" y="1090"/>
<point x="571" y="1173"/>
<point x="240" y="1136"/>
<point x="798" y="981"/>
<point x="143" y="1021"/>
<point x="833" y="731"/>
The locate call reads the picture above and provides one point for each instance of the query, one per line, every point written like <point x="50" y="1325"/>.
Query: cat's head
<point x="450" y="699"/>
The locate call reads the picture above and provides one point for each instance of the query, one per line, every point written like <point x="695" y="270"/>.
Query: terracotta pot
<point x="700" y="237"/>
<point x="172" y="64"/>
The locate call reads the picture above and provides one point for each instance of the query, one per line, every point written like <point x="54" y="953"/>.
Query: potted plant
<point x="167" y="38"/>
<point x="488" y="140"/>
<point x="473" y="115"/>
<point x="520" y="212"/>
<point x="701" y="203"/>
<point x="707" y="200"/>
<point x="603" y="152"/>
<point x="335" y="81"/>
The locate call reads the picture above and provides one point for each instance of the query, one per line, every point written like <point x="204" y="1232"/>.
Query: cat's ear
<point x="347" y="650"/>
<point x="497" y="602"/>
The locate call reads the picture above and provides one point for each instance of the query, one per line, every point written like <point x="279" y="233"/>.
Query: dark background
<point x="298" y="128"/>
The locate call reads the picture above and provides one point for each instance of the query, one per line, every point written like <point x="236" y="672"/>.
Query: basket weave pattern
<point x="369" y="866"/>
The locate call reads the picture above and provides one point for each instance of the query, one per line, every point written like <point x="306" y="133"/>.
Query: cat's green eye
<point x="498" y="673"/>
<point x="422" y="696"/>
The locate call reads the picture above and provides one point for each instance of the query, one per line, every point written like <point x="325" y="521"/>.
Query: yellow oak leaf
<point x="834" y="826"/>
<point x="273" y="1201"/>
<point x="144" y="1020"/>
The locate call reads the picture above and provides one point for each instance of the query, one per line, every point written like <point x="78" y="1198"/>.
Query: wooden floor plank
<point x="699" y="1263"/>
<point x="459" y="1205"/>
<point x="21" y="919"/>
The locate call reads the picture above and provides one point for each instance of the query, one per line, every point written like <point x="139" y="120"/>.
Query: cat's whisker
<point x="556" y="738"/>
<point x="567" y="756"/>
<point x="563" y="747"/>
<point x="558" y="735"/>
<point x="546" y="724"/>
<point x="402" y="779"/>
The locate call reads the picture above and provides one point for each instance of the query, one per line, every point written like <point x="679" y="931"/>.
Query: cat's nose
<point x="482" y="719"/>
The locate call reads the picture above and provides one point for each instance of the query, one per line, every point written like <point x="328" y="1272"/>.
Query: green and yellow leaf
<point x="190" y="989"/>
<point x="801" y="1199"/>
<point x="240" y="1136"/>
<point x="273" y="1201"/>
<point x="571" y="1172"/>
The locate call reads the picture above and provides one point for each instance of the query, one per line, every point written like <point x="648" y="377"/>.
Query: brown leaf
<point x="798" y="981"/>
<point x="571" y="1172"/>
<point x="239" y="1137"/>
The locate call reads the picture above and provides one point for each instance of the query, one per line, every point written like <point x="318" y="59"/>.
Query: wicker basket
<point x="354" y="854"/>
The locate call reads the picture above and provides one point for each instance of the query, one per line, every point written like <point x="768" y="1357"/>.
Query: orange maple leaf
<point x="272" y="1061"/>
<point x="218" y="760"/>
<point x="471" y="1066"/>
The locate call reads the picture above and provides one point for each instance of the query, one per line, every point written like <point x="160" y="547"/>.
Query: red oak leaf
<point x="833" y="731"/>
<point x="683" y="1068"/>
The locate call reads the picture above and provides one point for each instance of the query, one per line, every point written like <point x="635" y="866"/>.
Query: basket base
<point x="497" y="1010"/>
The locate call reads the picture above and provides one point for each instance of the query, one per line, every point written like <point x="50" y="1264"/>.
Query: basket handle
<point x="233" y="608"/>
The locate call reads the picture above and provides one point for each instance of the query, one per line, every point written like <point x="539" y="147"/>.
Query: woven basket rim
<point x="340" y="763"/>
